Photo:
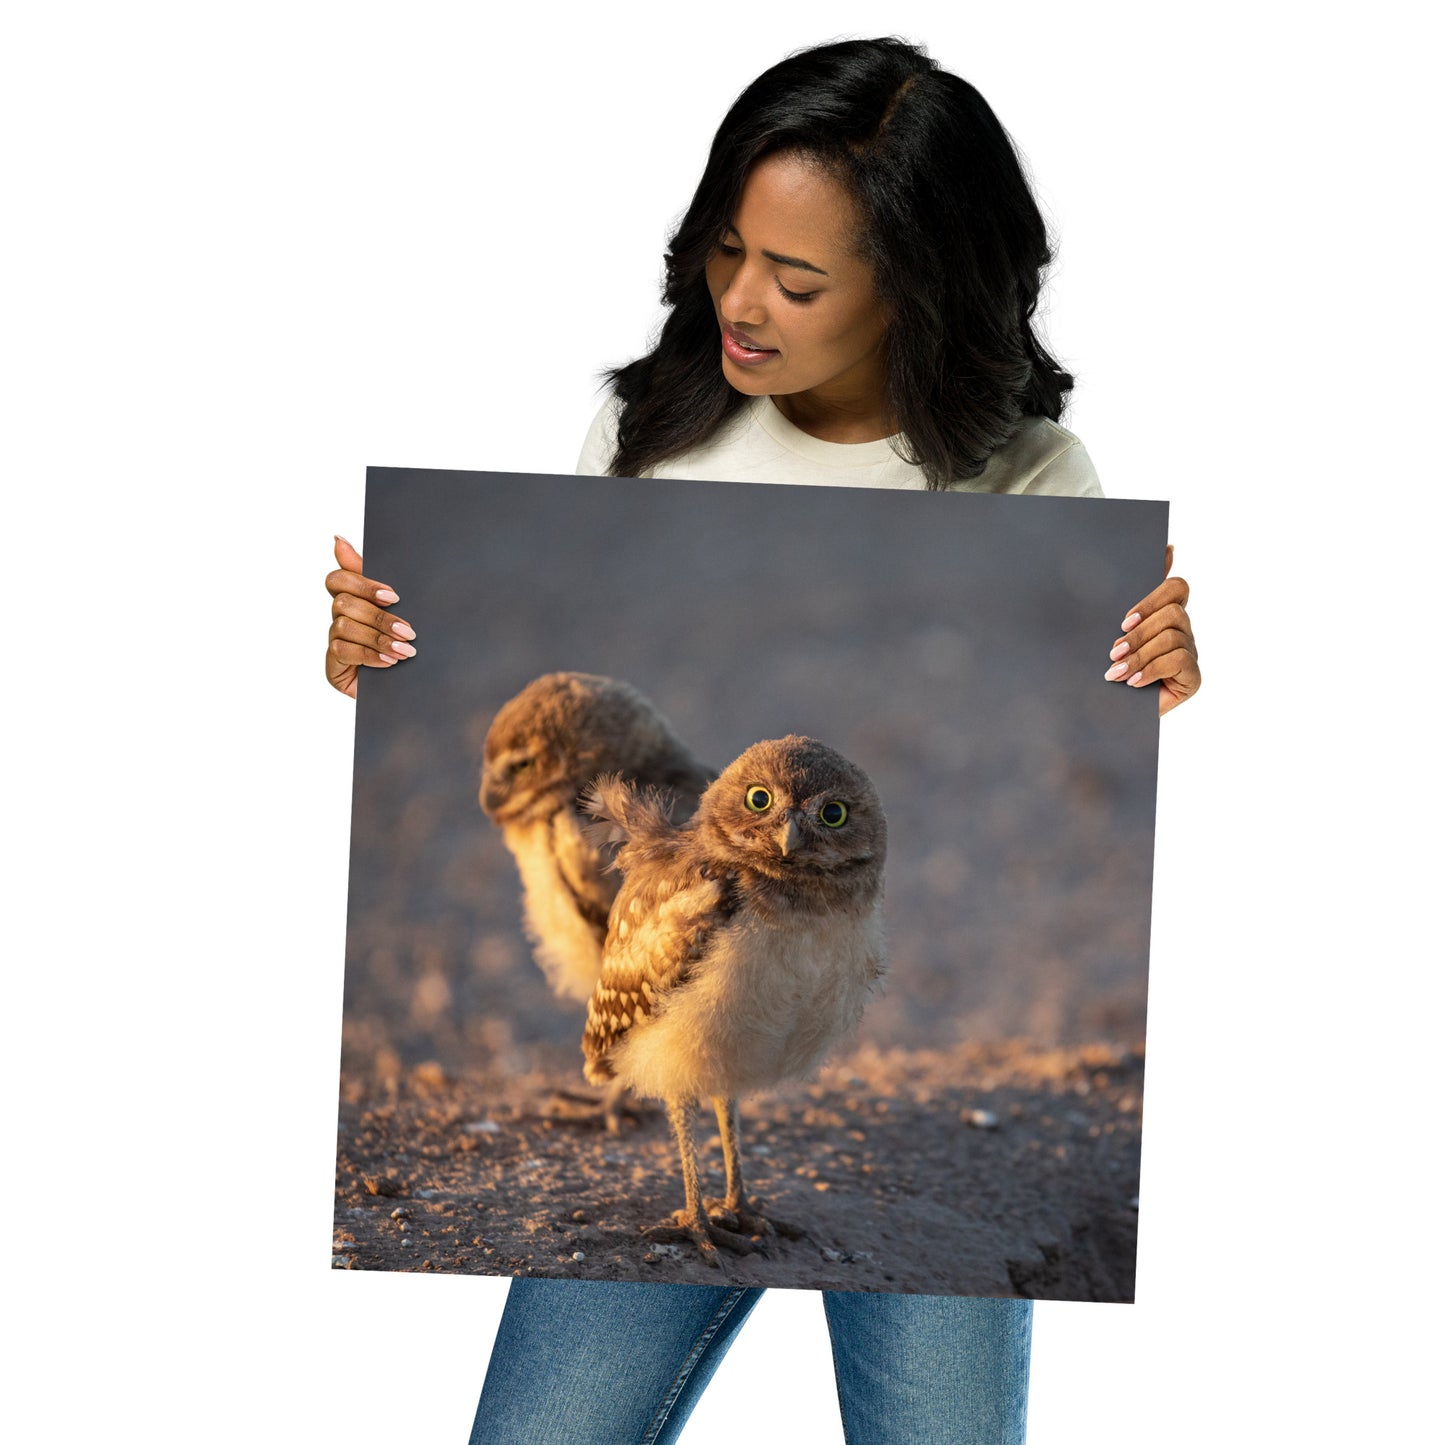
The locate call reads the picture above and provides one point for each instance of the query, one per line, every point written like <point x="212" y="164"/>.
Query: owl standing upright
<point x="741" y="948"/>
<point x="543" y="748"/>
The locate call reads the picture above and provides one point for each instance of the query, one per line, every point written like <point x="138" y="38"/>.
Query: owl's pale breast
<point x="562" y="879"/>
<point x="765" y="1004"/>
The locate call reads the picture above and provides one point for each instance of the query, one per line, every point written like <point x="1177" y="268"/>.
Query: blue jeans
<point x="592" y="1363"/>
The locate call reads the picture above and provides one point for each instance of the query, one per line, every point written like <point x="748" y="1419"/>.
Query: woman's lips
<point x="742" y="349"/>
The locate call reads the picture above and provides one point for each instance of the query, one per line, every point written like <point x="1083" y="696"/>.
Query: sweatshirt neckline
<point x="829" y="454"/>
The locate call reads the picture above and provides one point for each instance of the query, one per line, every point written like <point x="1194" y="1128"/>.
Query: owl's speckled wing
<point x="665" y="915"/>
<point x="582" y="868"/>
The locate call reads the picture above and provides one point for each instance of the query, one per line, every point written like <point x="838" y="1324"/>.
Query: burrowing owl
<point x="741" y="948"/>
<point x="543" y="748"/>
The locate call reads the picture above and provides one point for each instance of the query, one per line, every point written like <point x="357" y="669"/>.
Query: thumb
<point x="1168" y="558"/>
<point x="347" y="557"/>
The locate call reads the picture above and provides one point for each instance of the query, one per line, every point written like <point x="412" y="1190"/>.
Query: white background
<point x="253" y="249"/>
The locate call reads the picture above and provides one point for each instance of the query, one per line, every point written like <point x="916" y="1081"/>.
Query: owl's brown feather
<point x="666" y="911"/>
<point x="543" y="748"/>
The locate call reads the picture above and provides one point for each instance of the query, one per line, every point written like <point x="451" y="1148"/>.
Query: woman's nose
<point x="742" y="301"/>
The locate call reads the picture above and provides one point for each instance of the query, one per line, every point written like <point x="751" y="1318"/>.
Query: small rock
<point x="401" y="1212"/>
<point x="407" y="1243"/>
<point x="427" y="1193"/>
<point x="580" y="1216"/>
<point x="579" y="1255"/>
<point x="403" y="1226"/>
<point x="832" y="1255"/>
<point x="381" y="1184"/>
<point x="345" y="1244"/>
<point x="980" y="1118"/>
<point x="484" y="1126"/>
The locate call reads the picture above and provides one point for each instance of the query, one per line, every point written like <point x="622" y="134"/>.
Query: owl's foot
<point x="706" y="1233"/>
<point x="744" y="1219"/>
<point x="608" y="1110"/>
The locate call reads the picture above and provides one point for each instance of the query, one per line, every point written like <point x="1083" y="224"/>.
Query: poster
<point x="979" y="1131"/>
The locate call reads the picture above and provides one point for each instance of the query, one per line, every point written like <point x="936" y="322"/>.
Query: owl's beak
<point x="493" y="792"/>
<point x="792" y="837"/>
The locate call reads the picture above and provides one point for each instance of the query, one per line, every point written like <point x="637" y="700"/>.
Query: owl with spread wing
<point x="740" y="950"/>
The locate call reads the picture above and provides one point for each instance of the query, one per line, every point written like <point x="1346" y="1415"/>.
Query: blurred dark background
<point x="952" y="645"/>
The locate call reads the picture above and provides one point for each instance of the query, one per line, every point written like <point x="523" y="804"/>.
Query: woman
<point x="850" y="299"/>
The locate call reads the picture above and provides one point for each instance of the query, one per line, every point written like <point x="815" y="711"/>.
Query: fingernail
<point x="337" y="537"/>
<point x="402" y="630"/>
<point x="1130" y="621"/>
<point x="405" y="649"/>
<point x="385" y="594"/>
<point x="1135" y="680"/>
<point x="387" y="660"/>
<point x="1116" y="672"/>
<point x="1121" y="649"/>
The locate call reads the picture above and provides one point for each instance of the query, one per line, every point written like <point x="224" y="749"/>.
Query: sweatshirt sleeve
<point x="1070" y="474"/>
<point x="600" y="445"/>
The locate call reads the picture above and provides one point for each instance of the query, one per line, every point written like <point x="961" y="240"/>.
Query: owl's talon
<point x="746" y="1220"/>
<point x="703" y="1232"/>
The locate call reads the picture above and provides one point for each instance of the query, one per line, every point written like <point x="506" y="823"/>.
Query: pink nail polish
<point x="1116" y="672"/>
<point x="388" y="660"/>
<point x="402" y="630"/>
<point x="403" y="649"/>
<point x="1132" y="620"/>
<point x="1134" y="681"/>
<point x="1121" y="649"/>
<point x="387" y="595"/>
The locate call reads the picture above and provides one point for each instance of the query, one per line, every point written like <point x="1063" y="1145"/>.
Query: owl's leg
<point x="733" y="1211"/>
<point x="727" y="1124"/>
<point x="691" y="1220"/>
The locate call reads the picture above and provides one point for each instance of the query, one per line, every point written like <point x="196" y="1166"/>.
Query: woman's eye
<point x="758" y="799"/>
<point x="725" y="250"/>
<point x="833" y="814"/>
<point x="795" y="295"/>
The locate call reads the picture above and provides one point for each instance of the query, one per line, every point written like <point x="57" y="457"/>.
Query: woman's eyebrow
<point x="794" y="261"/>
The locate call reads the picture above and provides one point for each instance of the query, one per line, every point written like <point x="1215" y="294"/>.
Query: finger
<point x="346" y="604"/>
<point x="1180" y="666"/>
<point x="1170" y="640"/>
<point x="347" y="557"/>
<point x="1171" y="589"/>
<point x="379" y="642"/>
<point x="356" y="654"/>
<point x="359" y="586"/>
<point x="1168" y="558"/>
<point x="1170" y="617"/>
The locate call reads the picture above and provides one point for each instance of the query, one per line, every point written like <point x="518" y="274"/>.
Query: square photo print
<point x="749" y="883"/>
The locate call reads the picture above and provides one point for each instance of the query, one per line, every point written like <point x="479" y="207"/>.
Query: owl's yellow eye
<point x="758" y="799"/>
<point x="834" y="815"/>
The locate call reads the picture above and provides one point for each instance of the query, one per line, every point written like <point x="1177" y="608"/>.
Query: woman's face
<point x="795" y="304"/>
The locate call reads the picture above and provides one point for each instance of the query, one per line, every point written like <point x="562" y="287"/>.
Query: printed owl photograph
<point x="749" y="882"/>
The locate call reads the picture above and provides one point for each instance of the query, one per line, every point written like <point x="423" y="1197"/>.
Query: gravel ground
<point x="985" y="1170"/>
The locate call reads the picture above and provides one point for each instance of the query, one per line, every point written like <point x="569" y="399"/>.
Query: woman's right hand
<point x="363" y="633"/>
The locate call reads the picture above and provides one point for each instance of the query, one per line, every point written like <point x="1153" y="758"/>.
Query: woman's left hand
<point x="1158" y="643"/>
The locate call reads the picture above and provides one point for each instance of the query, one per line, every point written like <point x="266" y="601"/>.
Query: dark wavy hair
<point x="950" y="229"/>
